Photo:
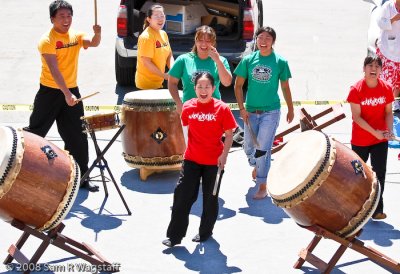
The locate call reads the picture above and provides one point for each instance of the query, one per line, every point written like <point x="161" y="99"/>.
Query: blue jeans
<point x="264" y="126"/>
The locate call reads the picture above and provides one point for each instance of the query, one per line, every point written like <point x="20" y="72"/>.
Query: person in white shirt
<point x="388" y="46"/>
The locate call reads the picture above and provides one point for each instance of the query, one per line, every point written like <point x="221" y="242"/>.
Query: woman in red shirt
<point x="371" y="107"/>
<point x="207" y="120"/>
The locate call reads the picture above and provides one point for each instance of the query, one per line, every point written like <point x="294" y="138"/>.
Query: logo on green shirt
<point x="261" y="73"/>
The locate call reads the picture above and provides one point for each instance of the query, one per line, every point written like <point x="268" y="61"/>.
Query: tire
<point x="124" y="76"/>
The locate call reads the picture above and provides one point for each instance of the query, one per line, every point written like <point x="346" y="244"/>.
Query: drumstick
<point x="395" y="138"/>
<point x="95" y="12"/>
<point x="218" y="180"/>
<point x="87" y="96"/>
<point x="253" y="135"/>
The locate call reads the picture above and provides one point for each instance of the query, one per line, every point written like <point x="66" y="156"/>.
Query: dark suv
<point x="235" y="22"/>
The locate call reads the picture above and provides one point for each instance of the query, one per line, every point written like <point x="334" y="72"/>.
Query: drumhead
<point x="11" y="152"/>
<point x="300" y="166"/>
<point x="152" y="100"/>
<point x="149" y="96"/>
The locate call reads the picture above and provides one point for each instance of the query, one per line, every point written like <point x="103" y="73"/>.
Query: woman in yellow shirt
<point x="154" y="51"/>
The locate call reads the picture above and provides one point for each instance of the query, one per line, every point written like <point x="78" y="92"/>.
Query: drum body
<point x="101" y="121"/>
<point x="319" y="181"/>
<point x="153" y="136"/>
<point x="39" y="181"/>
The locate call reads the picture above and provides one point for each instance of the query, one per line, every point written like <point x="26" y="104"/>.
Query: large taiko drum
<point x="153" y="136"/>
<point x="38" y="182"/>
<point x="319" y="181"/>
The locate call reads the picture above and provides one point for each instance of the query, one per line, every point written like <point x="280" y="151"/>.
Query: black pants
<point x="378" y="154"/>
<point x="185" y="195"/>
<point x="50" y="106"/>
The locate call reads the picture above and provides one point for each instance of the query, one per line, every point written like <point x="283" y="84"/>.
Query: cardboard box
<point x="225" y="21"/>
<point x="182" y="17"/>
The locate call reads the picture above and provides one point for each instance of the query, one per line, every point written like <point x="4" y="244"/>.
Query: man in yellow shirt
<point x="57" y="98"/>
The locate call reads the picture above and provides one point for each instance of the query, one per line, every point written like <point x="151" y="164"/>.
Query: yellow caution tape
<point x="235" y="106"/>
<point x="117" y="108"/>
<point x="11" y="107"/>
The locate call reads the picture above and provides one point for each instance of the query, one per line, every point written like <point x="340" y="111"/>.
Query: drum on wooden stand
<point x="153" y="138"/>
<point x="100" y="121"/>
<point x="39" y="181"/>
<point x="319" y="181"/>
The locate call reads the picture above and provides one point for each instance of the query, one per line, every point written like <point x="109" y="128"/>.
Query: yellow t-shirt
<point x="66" y="47"/>
<point x="154" y="45"/>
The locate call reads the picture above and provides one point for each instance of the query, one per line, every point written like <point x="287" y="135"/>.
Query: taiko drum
<point x="100" y="121"/>
<point x="320" y="181"/>
<point x="39" y="181"/>
<point x="153" y="136"/>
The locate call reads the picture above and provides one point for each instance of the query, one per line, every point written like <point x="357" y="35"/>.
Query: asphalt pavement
<point x="250" y="236"/>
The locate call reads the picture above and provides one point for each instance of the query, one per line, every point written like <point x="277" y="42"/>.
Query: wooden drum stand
<point x="308" y="122"/>
<point x="54" y="237"/>
<point x="350" y="242"/>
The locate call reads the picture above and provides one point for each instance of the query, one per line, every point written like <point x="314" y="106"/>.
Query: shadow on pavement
<point x="206" y="258"/>
<point x="223" y="212"/>
<point x="158" y="183"/>
<point x="92" y="220"/>
<point x="264" y="209"/>
<point x="380" y="232"/>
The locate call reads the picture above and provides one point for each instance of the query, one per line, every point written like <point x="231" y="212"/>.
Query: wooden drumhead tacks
<point x="312" y="178"/>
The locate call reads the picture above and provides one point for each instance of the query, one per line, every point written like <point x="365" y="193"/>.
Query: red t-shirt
<point x="372" y="102"/>
<point x="207" y="123"/>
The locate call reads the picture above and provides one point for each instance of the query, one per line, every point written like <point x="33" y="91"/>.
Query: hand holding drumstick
<point x="245" y="117"/>
<point x="390" y="136"/>
<point x="87" y="96"/>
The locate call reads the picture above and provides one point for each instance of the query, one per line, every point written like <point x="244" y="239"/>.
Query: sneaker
<point x="379" y="216"/>
<point x="198" y="239"/>
<point x="89" y="186"/>
<point x="171" y="242"/>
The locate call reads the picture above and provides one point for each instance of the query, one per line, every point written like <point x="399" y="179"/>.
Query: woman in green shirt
<point x="204" y="57"/>
<point x="264" y="70"/>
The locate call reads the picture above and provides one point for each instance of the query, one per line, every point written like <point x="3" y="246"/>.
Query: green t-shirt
<point x="263" y="74"/>
<point x="186" y="67"/>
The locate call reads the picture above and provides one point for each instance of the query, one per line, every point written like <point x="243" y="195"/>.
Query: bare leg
<point x="262" y="192"/>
